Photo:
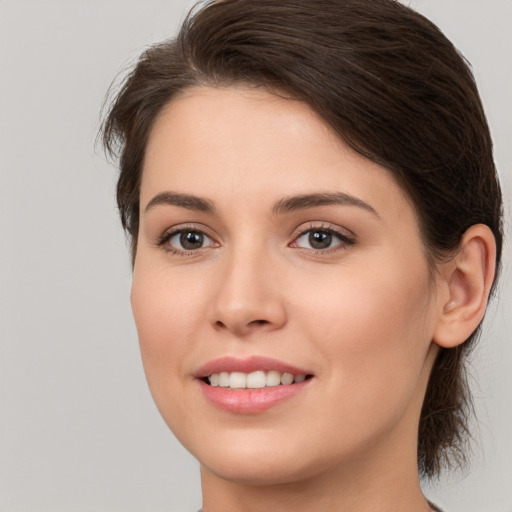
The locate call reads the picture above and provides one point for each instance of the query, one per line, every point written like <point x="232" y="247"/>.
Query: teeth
<point x="254" y="380"/>
<point x="237" y="380"/>
<point x="286" y="379"/>
<point x="273" y="378"/>
<point x="224" y="380"/>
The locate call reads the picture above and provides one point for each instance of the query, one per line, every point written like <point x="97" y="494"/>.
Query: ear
<point x="466" y="282"/>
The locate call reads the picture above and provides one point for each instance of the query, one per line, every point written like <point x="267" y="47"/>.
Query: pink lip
<point x="252" y="364"/>
<point x="249" y="401"/>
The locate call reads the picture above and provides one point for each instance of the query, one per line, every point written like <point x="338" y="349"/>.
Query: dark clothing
<point x="432" y="506"/>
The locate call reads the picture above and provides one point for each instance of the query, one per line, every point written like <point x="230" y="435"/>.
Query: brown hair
<point x="391" y="86"/>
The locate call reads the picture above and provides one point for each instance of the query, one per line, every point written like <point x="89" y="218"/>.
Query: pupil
<point x="320" y="239"/>
<point x="191" y="240"/>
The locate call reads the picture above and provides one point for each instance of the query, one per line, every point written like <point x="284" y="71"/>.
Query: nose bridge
<point x="248" y="296"/>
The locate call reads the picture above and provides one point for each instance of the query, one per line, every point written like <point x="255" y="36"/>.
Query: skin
<point x="360" y="316"/>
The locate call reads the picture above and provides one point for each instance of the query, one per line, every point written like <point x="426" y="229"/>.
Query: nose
<point x="249" y="296"/>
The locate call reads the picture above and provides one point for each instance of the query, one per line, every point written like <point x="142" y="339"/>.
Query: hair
<point x="389" y="84"/>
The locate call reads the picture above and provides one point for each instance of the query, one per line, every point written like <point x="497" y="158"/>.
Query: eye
<point x="321" y="239"/>
<point x="317" y="239"/>
<point x="185" y="240"/>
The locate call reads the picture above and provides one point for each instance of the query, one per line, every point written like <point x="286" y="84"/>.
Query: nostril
<point x="241" y="327"/>
<point x="259" y="322"/>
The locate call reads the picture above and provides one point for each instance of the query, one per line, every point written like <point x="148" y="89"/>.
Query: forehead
<point x="241" y="143"/>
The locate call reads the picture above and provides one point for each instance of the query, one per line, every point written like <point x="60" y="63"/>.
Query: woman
<point x="315" y="220"/>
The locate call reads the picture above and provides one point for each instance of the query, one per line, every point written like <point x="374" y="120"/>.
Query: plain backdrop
<point x="78" y="429"/>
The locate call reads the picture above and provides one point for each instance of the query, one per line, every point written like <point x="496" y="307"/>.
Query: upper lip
<point x="247" y="365"/>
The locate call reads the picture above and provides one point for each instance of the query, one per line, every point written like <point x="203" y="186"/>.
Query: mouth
<point x="254" y="380"/>
<point x="253" y="385"/>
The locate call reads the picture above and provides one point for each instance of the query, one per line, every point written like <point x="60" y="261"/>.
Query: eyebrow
<point x="305" y="201"/>
<point x="187" y="201"/>
<point x="285" y="205"/>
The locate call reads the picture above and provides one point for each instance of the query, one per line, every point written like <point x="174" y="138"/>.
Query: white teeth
<point x="237" y="380"/>
<point x="273" y="378"/>
<point x="224" y="380"/>
<point x="286" y="378"/>
<point x="255" y="380"/>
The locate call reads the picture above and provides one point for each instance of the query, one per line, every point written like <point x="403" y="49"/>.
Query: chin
<point x="259" y="458"/>
<point x="259" y="471"/>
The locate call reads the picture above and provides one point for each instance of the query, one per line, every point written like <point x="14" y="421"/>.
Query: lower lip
<point x="251" y="401"/>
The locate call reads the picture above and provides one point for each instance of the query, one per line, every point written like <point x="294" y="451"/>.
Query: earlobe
<point x="467" y="278"/>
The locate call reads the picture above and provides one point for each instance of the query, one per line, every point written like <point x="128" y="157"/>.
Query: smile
<point x="252" y="385"/>
<point x="254" y="380"/>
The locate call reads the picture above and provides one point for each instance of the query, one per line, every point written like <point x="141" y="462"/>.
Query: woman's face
<point x="268" y="251"/>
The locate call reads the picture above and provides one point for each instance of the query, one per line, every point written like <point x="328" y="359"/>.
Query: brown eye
<point x="189" y="240"/>
<point x="320" y="239"/>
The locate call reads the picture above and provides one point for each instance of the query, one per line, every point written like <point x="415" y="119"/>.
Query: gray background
<point x="78" y="429"/>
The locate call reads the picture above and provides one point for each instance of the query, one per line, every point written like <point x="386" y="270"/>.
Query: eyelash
<point x="344" y="239"/>
<point x="163" y="241"/>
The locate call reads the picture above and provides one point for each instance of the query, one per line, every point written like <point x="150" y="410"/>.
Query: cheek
<point x="166" y="320"/>
<point x="373" y="334"/>
<point x="166" y="305"/>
